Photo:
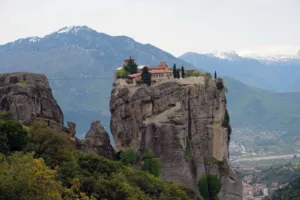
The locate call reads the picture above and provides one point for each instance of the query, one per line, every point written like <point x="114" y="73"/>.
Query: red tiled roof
<point x="159" y="71"/>
<point x="134" y="75"/>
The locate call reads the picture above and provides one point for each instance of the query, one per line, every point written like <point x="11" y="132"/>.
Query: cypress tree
<point x="177" y="73"/>
<point x="182" y="72"/>
<point x="146" y="76"/>
<point x="174" y="71"/>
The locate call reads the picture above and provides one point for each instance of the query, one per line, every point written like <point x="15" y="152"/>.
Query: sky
<point x="262" y="27"/>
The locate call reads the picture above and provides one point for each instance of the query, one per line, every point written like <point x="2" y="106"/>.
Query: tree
<point x="174" y="71"/>
<point x="128" y="156"/>
<point x="54" y="147"/>
<point x="13" y="137"/>
<point x="209" y="186"/>
<point x="146" y="76"/>
<point x="23" y="177"/>
<point x="182" y="72"/>
<point x="151" y="164"/>
<point x="215" y="74"/>
<point x="178" y="73"/>
<point x="131" y="67"/>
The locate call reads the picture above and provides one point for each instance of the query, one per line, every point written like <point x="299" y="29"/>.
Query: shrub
<point x="23" y="177"/>
<point x="220" y="85"/>
<point x="194" y="73"/>
<point x="121" y="73"/>
<point x="188" y="155"/>
<point x="13" y="137"/>
<point x="151" y="164"/>
<point x="54" y="147"/>
<point x="128" y="156"/>
<point x="209" y="186"/>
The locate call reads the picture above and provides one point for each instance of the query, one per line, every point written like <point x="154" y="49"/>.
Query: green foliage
<point x="151" y="164"/>
<point x="194" y="73"/>
<point x="178" y="73"/>
<point x="76" y="175"/>
<point x="23" y="177"/>
<point x="128" y="157"/>
<point x="220" y="85"/>
<point x="226" y="119"/>
<point x="52" y="146"/>
<point x="121" y="73"/>
<point x="23" y="83"/>
<point x="174" y="71"/>
<point x="188" y="155"/>
<point x="207" y="75"/>
<point x="209" y="186"/>
<point x="182" y="72"/>
<point x="146" y="76"/>
<point x="131" y="67"/>
<point x="13" y="137"/>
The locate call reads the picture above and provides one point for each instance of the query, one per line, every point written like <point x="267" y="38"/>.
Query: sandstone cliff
<point x="184" y="122"/>
<point x="28" y="97"/>
<point x="97" y="142"/>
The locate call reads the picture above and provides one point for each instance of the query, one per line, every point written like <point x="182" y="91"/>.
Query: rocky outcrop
<point x="97" y="142"/>
<point x="27" y="97"/>
<point x="184" y="122"/>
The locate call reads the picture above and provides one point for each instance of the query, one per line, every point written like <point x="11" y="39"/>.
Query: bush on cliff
<point x="128" y="156"/>
<point x="12" y="135"/>
<point x="209" y="186"/>
<point x="151" y="164"/>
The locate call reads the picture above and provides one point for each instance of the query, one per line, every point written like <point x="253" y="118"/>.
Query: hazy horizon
<point x="268" y="27"/>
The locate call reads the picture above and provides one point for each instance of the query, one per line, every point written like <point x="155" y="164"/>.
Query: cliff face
<point x="28" y="97"/>
<point x="184" y="123"/>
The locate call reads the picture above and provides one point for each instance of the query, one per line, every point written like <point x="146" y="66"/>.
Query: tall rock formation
<point x="28" y="97"/>
<point x="97" y="142"/>
<point x="185" y="122"/>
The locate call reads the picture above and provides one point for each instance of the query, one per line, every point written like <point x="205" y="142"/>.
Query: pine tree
<point x="182" y="72"/>
<point x="215" y="74"/>
<point x="174" y="71"/>
<point x="146" y="76"/>
<point x="131" y="67"/>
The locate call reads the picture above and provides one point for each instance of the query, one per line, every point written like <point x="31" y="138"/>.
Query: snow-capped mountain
<point x="278" y="73"/>
<point x="232" y="55"/>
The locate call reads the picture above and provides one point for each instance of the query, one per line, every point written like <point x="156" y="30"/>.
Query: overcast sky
<point x="246" y="26"/>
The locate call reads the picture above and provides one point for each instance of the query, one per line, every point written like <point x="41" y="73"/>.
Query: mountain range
<point x="80" y="64"/>
<point x="281" y="75"/>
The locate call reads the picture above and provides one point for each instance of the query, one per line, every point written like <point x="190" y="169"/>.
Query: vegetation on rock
<point x="48" y="167"/>
<point x="131" y="67"/>
<point x="209" y="186"/>
<point x="188" y="155"/>
<point x="121" y="73"/>
<point x="151" y="164"/>
<point x="146" y="76"/>
<point x="182" y="72"/>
